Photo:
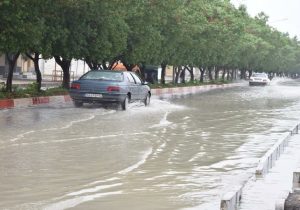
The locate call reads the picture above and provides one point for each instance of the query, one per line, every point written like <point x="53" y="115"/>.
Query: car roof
<point x="111" y="71"/>
<point x="259" y="73"/>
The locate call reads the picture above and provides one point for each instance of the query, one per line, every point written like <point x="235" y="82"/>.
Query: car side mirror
<point x="145" y="83"/>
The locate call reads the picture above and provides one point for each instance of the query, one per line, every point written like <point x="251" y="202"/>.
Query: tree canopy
<point x="202" y="33"/>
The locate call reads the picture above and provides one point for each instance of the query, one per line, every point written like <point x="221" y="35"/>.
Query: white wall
<point x="78" y="67"/>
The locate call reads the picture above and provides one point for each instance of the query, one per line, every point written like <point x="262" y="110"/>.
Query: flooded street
<point x="179" y="153"/>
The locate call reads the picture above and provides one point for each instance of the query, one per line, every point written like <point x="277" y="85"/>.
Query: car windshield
<point x="103" y="75"/>
<point x="259" y="75"/>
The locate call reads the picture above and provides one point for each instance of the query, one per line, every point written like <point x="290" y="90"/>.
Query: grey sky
<point x="283" y="14"/>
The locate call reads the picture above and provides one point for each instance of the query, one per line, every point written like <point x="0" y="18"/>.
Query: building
<point x="23" y="65"/>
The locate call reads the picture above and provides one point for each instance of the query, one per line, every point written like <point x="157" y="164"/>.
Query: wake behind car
<point x="259" y="79"/>
<point x="99" y="86"/>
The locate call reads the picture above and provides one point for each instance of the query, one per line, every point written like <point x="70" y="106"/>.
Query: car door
<point x="139" y="85"/>
<point x="133" y="87"/>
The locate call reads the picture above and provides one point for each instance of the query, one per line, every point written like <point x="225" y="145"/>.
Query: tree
<point x="19" y="31"/>
<point x="106" y="33"/>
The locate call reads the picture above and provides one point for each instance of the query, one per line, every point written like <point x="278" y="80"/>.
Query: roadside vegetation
<point x="30" y="90"/>
<point x="212" y="36"/>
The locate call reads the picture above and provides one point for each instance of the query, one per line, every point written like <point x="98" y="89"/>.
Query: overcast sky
<point x="283" y="14"/>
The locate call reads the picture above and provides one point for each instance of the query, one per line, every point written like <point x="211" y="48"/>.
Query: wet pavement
<point x="264" y="192"/>
<point x="179" y="153"/>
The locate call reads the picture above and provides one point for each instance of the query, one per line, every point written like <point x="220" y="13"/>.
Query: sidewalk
<point x="263" y="193"/>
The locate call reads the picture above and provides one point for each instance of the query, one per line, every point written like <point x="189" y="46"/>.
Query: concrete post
<point x="296" y="181"/>
<point x="280" y="204"/>
<point x="231" y="199"/>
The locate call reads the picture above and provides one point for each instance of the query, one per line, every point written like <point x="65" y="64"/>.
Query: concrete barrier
<point x="231" y="200"/>
<point x="190" y="90"/>
<point x="34" y="101"/>
<point x="7" y="103"/>
<point x="268" y="160"/>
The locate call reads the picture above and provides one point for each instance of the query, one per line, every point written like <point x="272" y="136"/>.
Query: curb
<point x="232" y="199"/>
<point x="190" y="90"/>
<point x="34" y="101"/>
<point x="273" y="154"/>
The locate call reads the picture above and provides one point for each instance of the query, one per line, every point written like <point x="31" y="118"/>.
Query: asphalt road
<point x="179" y="153"/>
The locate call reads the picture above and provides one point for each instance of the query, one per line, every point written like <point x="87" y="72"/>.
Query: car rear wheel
<point x="124" y="104"/>
<point x="147" y="100"/>
<point x="78" y="103"/>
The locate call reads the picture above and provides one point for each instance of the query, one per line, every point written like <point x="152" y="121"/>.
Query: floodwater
<point x="179" y="153"/>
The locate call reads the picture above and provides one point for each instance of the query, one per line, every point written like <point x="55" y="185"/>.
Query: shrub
<point x="31" y="91"/>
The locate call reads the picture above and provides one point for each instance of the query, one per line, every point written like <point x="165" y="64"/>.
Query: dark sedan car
<point x="109" y="87"/>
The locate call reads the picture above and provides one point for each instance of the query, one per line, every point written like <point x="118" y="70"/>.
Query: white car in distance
<point x="259" y="79"/>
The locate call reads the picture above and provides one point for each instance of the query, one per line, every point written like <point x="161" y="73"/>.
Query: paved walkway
<point x="262" y="193"/>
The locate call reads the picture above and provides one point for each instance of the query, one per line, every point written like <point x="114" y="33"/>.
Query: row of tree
<point x="212" y="35"/>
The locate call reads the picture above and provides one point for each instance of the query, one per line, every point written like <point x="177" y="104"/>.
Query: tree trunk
<point x="191" y="71"/>
<point x="65" y="66"/>
<point x="104" y="65"/>
<point x="173" y="74"/>
<point x="217" y="73"/>
<point x="250" y="73"/>
<point x="182" y="76"/>
<point x="129" y="67"/>
<point x="210" y="76"/>
<point x="202" y="71"/>
<point x="243" y="74"/>
<point x="235" y="74"/>
<point x="177" y="73"/>
<point x="12" y="59"/>
<point x="232" y="74"/>
<point x="93" y="65"/>
<point x="37" y="70"/>
<point x="163" y="73"/>
<point x="142" y="71"/>
<point x="223" y="74"/>
<point x="228" y="74"/>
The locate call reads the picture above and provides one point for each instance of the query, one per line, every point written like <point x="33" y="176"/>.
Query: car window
<point x="130" y="78"/>
<point x="136" y="78"/>
<point x="103" y="75"/>
<point x="259" y="75"/>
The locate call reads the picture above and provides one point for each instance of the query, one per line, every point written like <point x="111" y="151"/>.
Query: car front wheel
<point x="147" y="100"/>
<point x="124" y="104"/>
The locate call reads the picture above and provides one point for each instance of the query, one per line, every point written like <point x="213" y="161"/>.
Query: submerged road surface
<point x="180" y="153"/>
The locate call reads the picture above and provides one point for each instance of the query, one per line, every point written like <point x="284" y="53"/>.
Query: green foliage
<point x="202" y="33"/>
<point x="31" y="91"/>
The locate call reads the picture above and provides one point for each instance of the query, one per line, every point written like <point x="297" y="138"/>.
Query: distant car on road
<point x="99" y="86"/>
<point x="259" y="79"/>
